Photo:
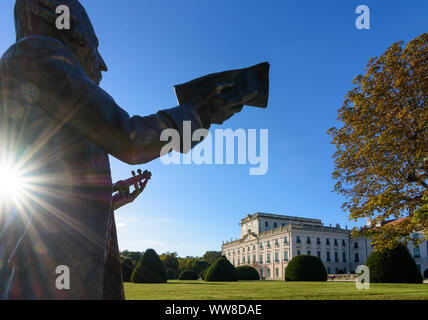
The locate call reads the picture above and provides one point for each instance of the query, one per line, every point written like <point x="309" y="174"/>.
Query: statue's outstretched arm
<point x="65" y="92"/>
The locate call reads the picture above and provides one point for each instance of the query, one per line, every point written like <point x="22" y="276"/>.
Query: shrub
<point x="221" y="270"/>
<point x="199" y="265"/>
<point x="393" y="266"/>
<point x="171" y="274"/>
<point x="305" y="268"/>
<point x="426" y="273"/>
<point x="203" y="273"/>
<point x="127" y="269"/>
<point x="188" y="275"/>
<point x="149" y="269"/>
<point x="247" y="273"/>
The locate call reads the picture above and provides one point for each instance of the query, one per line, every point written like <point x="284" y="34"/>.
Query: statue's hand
<point x="223" y="102"/>
<point x="124" y="197"/>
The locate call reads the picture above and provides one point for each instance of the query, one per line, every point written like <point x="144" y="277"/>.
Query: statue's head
<point x="38" y="17"/>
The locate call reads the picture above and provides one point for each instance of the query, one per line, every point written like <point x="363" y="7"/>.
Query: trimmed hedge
<point x="426" y="273"/>
<point x="203" y="273"/>
<point x="127" y="269"/>
<point x="247" y="273"/>
<point x="221" y="270"/>
<point x="149" y="269"/>
<point x="171" y="274"/>
<point x="393" y="266"/>
<point x="305" y="268"/>
<point x="200" y="265"/>
<point x="188" y="275"/>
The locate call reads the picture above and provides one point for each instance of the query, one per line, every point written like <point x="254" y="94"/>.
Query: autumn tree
<point x="381" y="157"/>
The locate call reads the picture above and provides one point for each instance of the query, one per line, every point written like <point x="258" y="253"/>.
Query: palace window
<point x="343" y="242"/>
<point x="239" y="261"/>
<point x="335" y="242"/>
<point x="309" y="252"/>
<point x="285" y="255"/>
<point x="266" y="224"/>
<point x="327" y="241"/>
<point x="319" y="254"/>
<point x="268" y="244"/>
<point x="356" y="257"/>
<point x="285" y="240"/>
<point x="277" y="272"/>
<point x="328" y="256"/>
<point x="328" y="270"/>
<point x="308" y="239"/>
<point x="416" y="252"/>
<point x="268" y="258"/>
<point x="298" y="252"/>
<point x="261" y="245"/>
<point x="268" y="272"/>
<point x="276" y="257"/>
<point x="243" y="259"/>
<point x="355" y="245"/>
<point x="248" y="259"/>
<point x="276" y="242"/>
<point x="344" y="256"/>
<point x="260" y="258"/>
<point x="275" y="225"/>
<point x="298" y="239"/>
<point x="254" y="259"/>
<point x="318" y="241"/>
<point x="336" y="257"/>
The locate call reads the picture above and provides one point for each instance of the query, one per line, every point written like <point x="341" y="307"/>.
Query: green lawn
<point x="275" y="290"/>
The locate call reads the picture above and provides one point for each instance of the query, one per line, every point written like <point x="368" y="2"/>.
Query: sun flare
<point x="11" y="181"/>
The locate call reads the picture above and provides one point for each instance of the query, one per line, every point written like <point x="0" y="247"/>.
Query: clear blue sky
<point x="315" y="51"/>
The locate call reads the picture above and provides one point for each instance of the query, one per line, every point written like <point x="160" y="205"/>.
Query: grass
<point x="273" y="290"/>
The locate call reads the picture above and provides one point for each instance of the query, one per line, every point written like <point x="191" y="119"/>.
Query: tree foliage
<point x="170" y="260"/>
<point x="171" y="274"/>
<point x="393" y="266"/>
<point x="149" y="269"/>
<point x="381" y="157"/>
<point x="200" y="265"/>
<point x="305" y="268"/>
<point x="186" y="263"/>
<point x="211" y="256"/>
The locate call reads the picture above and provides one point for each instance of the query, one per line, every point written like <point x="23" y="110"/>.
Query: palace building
<point x="269" y="241"/>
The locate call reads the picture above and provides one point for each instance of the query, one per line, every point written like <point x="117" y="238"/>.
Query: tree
<point x="381" y="157"/>
<point x="134" y="255"/>
<point x="305" y="268"/>
<point x="185" y="263"/>
<point x="170" y="260"/>
<point x="393" y="266"/>
<point x="221" y="270"/>
<point x="200" y="265"/>
<point x="211" y="256"/>
<point x="127" y="269"/>
<point x="149" y="269"/>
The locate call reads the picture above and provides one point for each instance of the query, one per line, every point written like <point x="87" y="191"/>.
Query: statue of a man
<point x="57" y="127"/>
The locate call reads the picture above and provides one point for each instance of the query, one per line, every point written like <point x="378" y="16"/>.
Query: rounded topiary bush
<point x="247" y="273"/>
<point x="171" y="274"/>
<point x="203" y="273"/>
<point x="127" y="269"/>
<point x="221" y="270"/>
<point x="305" y="268"/>
<point x="393" y="266"/>
<point x="149" y="269"/>
<point x="426" y="273"/>
<point x="188" y="275"/>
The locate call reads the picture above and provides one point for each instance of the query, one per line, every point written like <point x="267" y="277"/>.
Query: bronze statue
<point x="58" y="127"/>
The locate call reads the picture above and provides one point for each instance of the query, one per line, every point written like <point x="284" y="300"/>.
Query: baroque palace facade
<point x="269" y="241"/>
